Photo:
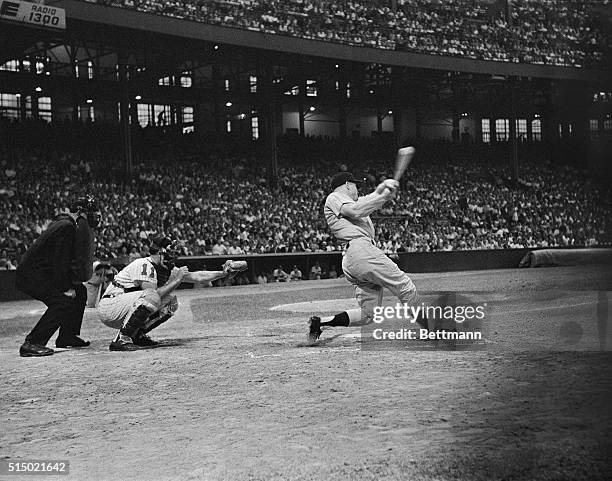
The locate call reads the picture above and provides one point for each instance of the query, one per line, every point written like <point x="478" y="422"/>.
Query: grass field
<point x="232" y="392"/>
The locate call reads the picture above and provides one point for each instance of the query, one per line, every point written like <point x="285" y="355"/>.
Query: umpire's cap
<point x="343" y="177"/>
<point x="84" y="203"/>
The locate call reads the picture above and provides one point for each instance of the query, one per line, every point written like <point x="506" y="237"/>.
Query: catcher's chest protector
<point x="163" y="274"/>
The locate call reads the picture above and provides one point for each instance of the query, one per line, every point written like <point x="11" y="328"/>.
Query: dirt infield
<point x="231" y="395"/>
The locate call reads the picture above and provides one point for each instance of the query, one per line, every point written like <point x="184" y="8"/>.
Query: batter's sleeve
<point x="335" y="201"/>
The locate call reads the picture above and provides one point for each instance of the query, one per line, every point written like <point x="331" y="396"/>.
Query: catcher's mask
<point x="88" y="206"/>
<point x="170" y="253"/>
<point x="167" y="249"/>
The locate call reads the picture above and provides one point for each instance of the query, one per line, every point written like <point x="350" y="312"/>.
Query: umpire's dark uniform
<point x="59" y="260"/>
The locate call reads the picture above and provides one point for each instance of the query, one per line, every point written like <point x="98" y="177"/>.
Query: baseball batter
<point x="140" y="297"/>
<point x="364" y="264"/>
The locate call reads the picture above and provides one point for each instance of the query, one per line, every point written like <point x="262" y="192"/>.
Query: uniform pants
<point x="63" y="312"/>
<point x="116" y="311"/>
<point x="370" y="271"/>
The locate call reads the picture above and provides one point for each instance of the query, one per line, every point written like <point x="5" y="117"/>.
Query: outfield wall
<point x="266" y="263"/>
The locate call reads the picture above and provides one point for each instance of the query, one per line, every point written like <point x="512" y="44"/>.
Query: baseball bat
<point x="402" y="161"/>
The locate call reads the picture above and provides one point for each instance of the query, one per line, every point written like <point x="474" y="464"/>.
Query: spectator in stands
<point x="219" y="248"/>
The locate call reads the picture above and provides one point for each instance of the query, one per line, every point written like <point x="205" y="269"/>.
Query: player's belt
<point x="125" y="289"/>
<point x="348" y="244"/>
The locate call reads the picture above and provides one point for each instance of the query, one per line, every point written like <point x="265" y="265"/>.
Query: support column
<point x="124" y="112"/>
<point x="513" y="141"/>
<point x="418" y="119"/>
<point x="72" y="55"/>
<point x="342" y="104"/>
<point x="302" y="104"/>
<point x="455" y="132"/>
<point x="22" y="107"/>
<point x="216" y="98"/>
<point x="269" y="110"/>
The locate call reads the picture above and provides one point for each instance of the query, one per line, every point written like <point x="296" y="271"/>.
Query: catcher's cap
<point x="159" y="243"/>
<point x="343" y="177"/>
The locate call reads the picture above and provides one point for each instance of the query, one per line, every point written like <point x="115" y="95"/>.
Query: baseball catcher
<point x="140" y="298"/>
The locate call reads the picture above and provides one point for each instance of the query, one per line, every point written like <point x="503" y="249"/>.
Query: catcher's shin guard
<point x="156" y="322"/>
<point x="136" y="322"/>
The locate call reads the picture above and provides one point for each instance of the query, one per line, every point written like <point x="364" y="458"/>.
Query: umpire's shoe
<point x="122" y="346"/>
<point x="314" y="331"/>
<point x="73" y="341"/>
<point x="29" y="349"/>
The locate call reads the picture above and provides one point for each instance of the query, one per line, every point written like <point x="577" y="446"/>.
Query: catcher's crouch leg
<point x="169" y="306"/>
<point x="146" y="303"/>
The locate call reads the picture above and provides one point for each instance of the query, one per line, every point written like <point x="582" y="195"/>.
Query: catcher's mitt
<point x="231" y="268"/>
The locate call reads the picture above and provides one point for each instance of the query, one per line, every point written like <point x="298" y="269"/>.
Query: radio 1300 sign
<point x="33" y="13"/>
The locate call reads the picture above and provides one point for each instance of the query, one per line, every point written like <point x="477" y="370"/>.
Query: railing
<point x="412" y="262"/>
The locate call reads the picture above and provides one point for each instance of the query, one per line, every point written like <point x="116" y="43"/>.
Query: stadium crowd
<point x="554" y="32"/>
<point x="455" y="198"/>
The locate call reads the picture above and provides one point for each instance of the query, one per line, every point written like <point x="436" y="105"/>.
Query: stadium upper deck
<point x="542" y="32"/>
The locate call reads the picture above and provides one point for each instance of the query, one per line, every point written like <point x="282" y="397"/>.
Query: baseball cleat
<point x="122" y="346"/>
<point x="231" y="268"/>
<point x="145" y="341"/>
<point x="314" y="331"/>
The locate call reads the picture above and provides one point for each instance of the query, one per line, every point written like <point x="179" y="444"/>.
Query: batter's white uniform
<point x="123" y="296"/>
<point x="364" y="264"/>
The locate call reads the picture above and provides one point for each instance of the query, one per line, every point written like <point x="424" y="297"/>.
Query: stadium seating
<point x="552" y="32"/>
<point x="456" y="197"/>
